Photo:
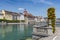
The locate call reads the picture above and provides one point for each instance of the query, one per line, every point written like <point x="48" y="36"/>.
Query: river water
<point x="15" y="32"/>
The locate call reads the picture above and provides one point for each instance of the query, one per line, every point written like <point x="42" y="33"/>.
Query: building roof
<point x="26" y="14"/>
<point x="12" y="13"/>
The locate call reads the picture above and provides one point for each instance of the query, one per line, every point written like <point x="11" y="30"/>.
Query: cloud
<point x="43" y="1"/>
<point x="46" y="2"/>
<point x="20" y="8"/>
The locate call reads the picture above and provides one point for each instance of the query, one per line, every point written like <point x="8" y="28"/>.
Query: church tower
<point x="25" y="12"/>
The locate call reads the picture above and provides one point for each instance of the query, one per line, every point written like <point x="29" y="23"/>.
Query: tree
<point x="52" y="17"/>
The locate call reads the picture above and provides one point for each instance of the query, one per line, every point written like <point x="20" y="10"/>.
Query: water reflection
<point x="15" y="32"/>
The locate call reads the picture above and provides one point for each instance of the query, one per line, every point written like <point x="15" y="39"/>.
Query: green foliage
<point x="52" y="17"/>
<point x="10" y="21"/>
<point x="22" y="20"/>
<point x="13" y="21"/>
<point x="3" y="20"/>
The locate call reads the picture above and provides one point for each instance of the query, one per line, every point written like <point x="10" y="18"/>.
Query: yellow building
<point x="9" y="15"/>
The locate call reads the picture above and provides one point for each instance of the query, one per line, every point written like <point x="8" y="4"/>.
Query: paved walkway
<point x="55" y="36"/>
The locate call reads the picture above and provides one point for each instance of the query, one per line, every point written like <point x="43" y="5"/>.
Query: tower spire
<point x="24" y="9"/>
<point x="25" y="12"/>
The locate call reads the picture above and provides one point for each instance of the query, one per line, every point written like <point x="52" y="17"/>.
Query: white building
<point x="1" y="15"/>
<point x="22" y="17"/>
<point x="39" y="19"/>
<point x="9" y="15"/>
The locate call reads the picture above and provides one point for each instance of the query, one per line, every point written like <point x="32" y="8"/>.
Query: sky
<point x="35" y="7"/>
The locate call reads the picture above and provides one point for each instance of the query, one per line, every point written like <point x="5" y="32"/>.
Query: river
<point x="15" y="32"/>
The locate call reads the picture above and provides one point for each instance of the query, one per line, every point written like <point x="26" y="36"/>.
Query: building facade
<point x="29" y="18"/>
<point x="39" y="19"/>
<point x="9" y="15"/>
